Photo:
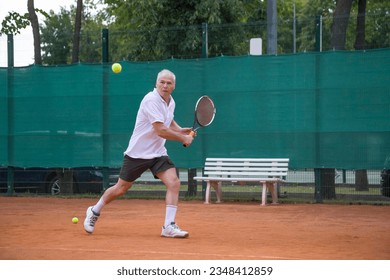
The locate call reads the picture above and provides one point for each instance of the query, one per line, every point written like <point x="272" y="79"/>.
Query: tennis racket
<point x="204" y="113"/>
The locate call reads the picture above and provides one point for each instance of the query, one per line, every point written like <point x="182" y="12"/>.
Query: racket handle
<point x="192" y="133"/>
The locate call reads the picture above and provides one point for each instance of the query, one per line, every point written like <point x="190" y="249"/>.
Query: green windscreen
<point x="318" y="109"/>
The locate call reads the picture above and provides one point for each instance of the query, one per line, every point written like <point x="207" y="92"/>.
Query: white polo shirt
<point x="144" y="142"/>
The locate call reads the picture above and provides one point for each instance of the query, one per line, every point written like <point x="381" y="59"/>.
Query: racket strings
<point x="205" y="111"/>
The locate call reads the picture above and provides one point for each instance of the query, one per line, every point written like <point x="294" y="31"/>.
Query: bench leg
<point x="207" y="194"/>
<point x="218" y="190"/>
<point x="273" y="188"/>
<point x="264" y="194"/>
<point x="274" y="192"/>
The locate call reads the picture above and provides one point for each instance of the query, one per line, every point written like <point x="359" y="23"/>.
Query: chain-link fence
<point x="299" y="186"/>
<point x="293" y="36"/>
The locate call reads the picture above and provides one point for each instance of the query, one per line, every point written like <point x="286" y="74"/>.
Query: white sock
<point x="170" y="214"/>
<point x="99" y="205"/>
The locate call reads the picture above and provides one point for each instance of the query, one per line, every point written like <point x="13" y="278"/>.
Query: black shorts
<point x="133" y="168"/>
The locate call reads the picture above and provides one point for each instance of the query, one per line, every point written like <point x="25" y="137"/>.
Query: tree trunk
<point x="361" y="180"/>
<point x="361" y="26"/>
<point x="35" y="28"/>
<point x="76" y="34"/>
<point x="328" y="184"/>
<point x="66" y="182"/>
<point x="340" y="24"/>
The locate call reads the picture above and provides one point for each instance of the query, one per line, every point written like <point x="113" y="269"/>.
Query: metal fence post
<point x="317" y="191"/>
<point x="10" y="180"/>
<point x="319" y="33"/>
<point x="105" y="101"/>
<point x="105" y="45"/>
<point x="10" y="113"/>
<point x="205" y="40"/>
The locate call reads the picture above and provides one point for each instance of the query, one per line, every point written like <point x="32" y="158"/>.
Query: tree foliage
<point x="377" y="24"/>
<point x="58" y="36"/>
<point x="14" y="22"/>
<point x="153" y="29"/>
<point x="161" y="29"/>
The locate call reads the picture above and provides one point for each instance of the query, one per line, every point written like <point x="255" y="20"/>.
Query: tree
<point x="377" y="24"/>
<point x="361" y="26"/>
<point x="340" y="24"/>
<point x="35" y="28"/>
<point x="76" y="34"/>
<point x="375" y="19"/>
<point x="327" y="180"/>
<point x="151" y="29"/>
<point x="15" y="22"/>
<point x="58" y="39"/>
<point x="361" y="180"/>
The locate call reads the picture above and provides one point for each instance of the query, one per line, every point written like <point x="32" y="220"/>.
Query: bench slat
<point x="233" y="179"/>
<point x="218" y="168"/>
<point x="258" y="174"/>
<point x="249" y="165"/>
<point x="249" y="159"/>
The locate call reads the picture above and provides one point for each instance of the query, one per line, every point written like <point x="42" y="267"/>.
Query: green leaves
<point x="14" y="22"/>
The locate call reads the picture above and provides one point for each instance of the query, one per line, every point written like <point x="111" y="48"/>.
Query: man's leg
<point x="117" y="190"/>
<point x="172" y="182"/>
<point x="93" y="212"/>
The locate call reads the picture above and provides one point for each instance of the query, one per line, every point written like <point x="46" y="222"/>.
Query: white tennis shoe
<point x="90" y="220"/>
<point x="173" y="231"/>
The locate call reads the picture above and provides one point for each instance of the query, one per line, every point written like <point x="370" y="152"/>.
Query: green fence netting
<point x="321" y="110"/>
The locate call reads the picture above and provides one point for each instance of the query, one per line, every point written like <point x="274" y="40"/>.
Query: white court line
<point x="220" y="256"/>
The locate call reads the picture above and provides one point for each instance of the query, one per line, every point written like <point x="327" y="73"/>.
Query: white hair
<point x="166" y="72"/>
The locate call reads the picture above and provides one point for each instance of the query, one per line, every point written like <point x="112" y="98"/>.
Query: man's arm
<point x="174" y="132"/>
<point x="174" y="126"/>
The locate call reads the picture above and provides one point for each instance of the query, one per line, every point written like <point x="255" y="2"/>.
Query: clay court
<point x="40" y="228"/>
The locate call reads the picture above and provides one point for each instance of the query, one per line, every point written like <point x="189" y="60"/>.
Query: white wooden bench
<point x="267" y="171"/>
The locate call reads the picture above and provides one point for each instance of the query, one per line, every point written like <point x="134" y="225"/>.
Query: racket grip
<point x="192" y="133"/>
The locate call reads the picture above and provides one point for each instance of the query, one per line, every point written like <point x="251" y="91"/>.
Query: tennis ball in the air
<point x="116" y="68"/>
<point x="75" y="220"/>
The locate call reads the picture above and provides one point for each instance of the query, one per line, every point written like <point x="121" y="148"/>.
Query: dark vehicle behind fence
<point x="47" y="180"/>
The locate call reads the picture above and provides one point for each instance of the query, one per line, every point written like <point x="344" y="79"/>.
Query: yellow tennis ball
<point x="75" y="220"/>
<point x="116" y="68"/>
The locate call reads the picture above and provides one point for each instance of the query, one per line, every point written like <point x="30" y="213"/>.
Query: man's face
<point x="165" y="84"/>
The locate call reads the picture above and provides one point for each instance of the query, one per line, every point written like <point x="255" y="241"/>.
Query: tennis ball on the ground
<point x="75" y="220"/>
<point x="116" y="68"/>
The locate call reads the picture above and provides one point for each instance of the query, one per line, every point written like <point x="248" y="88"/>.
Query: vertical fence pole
<point x="317" y="170"/>
<point x="10" y="113"/>
<point x="105" y="46"/>
<point x="317" y="191"/>
<point x="10" y="49"/>
<point x="295" y="30"/>
<point x="105" y="108"/>
<point x="205" y="40"/>
<point x="319" y="33"/>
